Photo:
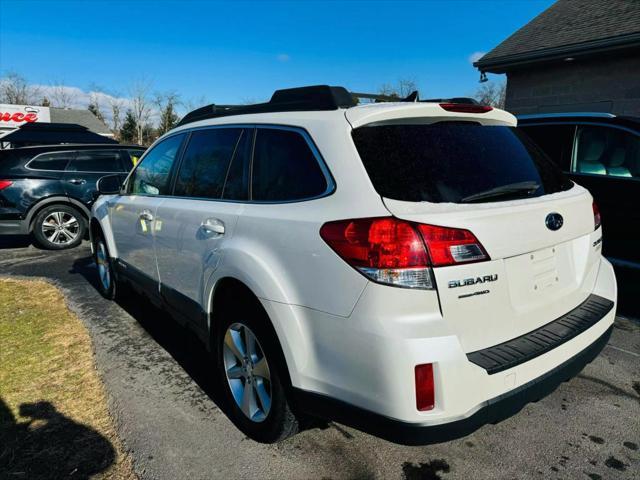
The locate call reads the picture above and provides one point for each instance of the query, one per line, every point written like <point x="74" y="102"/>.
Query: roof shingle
<point x="570" y="22"/>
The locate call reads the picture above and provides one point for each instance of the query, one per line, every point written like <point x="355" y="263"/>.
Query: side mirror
<point x="109" y="185"/>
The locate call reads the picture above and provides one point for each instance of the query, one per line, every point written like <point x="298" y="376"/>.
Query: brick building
<point x="578" y="55"/>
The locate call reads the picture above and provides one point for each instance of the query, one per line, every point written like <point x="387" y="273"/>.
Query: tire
<point x="59" y="227"/>
<point x="107" y="282"/>
<point x="267" y="424"/>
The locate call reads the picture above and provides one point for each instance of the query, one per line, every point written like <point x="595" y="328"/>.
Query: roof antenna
<point x="412" y="97"/>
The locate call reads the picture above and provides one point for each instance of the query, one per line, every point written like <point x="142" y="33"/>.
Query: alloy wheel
<point x="247" y="372"/>
<point x="104" y="269"/>
<point x="60" y="228"/>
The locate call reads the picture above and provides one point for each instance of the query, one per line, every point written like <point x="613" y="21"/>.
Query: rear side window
<point x="606" y="151"/>
<point x="555" y="140"/>
<point x="96" y="161"/>
<point x="460" y="162"/>
<point x="284" y="167"/>
<point x="51" y="161"/>
<point x="153" y="174"/>
<point x="205" y="162"/>
<point x="237" y="185"/>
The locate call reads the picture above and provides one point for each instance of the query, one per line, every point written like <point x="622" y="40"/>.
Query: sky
<point x="230" y="52"/>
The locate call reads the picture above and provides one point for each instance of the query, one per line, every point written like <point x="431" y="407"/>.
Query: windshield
<point x="455" y="162"/>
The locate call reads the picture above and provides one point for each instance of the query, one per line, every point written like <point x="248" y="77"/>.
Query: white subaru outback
<point x="412" y="269"/>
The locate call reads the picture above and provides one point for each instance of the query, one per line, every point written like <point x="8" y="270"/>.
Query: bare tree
<point x="96" y="101"/>
<point x="116" y="105"/>
<point x="140" y="105"/>
<point x="197" y="102"/>
<point x="15" y="89"/>
<point x="492" y="93"/>
<point x="61" y="96"/>
<point x="401" y="89"/>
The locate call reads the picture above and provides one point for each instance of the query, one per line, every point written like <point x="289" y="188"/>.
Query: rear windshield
<point x="460" y="162"/>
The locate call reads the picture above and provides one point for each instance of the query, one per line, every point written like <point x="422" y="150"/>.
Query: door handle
<point x="146" y="215"/>
<point x="77" y="181"/>
<point x="213" y="226"/>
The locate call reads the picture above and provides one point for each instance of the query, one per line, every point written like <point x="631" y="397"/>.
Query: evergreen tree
<point x="129" y="130"/>
<point x="168" y="118"/>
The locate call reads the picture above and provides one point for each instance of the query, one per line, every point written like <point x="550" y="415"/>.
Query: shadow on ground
<point x="15" y="241"/>
<point x="181" y="343"/>
<point x="50" y="445"/>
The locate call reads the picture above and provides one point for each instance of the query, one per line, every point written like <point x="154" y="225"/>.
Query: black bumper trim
<point x="496" y="409"/>
<point x="533" y="344"/>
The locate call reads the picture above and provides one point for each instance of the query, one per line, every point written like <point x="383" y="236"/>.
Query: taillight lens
<point x="451" y="246"/>
<point x="400" y="253"/>
<point x="465" y="107"/>
<point x="597" y="219"/>
<point x="425" y="388"/>
<point x="386" y="250"/>
<point x="5" y="183"/>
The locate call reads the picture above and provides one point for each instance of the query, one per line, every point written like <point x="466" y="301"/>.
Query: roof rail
<point x="314" y="98"/>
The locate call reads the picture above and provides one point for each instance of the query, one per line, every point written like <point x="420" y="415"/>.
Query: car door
<point x="198" y="221"/>
<point x="606" y="161"/>
<point x="133" y="212"/>
<point x="84" y="170"/>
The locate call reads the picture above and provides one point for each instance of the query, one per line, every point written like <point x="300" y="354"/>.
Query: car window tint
<point x="284" y="167"/>
<point x="237" y="184"/>
<point x="555" y="140"/>
<point x="608" y="151"/>
<point x="205" y="162"/>
<point x="95" y="161"/>
<point x="153" y="173"/>
<point x="51" y="161"/>
<point x="455" y="162"/>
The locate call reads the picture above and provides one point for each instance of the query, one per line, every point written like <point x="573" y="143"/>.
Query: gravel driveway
<point x="164" y="401"/>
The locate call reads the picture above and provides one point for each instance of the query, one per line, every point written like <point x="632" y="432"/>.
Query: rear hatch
<point x="536" y="227"/>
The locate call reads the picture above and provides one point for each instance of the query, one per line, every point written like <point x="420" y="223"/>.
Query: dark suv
<point x="601" y="152"/>
<point x="47" y="191"/>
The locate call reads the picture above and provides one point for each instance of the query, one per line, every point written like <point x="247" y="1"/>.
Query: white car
<point x="412" y="269"/>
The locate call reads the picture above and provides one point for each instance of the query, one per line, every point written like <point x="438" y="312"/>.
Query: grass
<point x="54" y="421"/>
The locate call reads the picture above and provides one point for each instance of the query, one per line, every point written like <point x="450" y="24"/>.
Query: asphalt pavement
<point x="164" y="400"/>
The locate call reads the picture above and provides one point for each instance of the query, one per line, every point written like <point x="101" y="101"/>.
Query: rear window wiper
<point x="504" y="190"/>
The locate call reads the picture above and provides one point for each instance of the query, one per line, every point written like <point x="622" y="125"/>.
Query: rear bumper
<point x="493" y="410"/>
<point x="14" y="227"/>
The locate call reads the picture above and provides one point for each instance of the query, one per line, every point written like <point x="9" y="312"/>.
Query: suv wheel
<point x="106" y="275"/>
<point x="58" y="227"/>
<point x="250" y="377"/>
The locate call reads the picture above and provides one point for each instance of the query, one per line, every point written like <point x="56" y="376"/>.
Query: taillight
<point x="425" y="388"/>
<point x="466" y="107"/>
<point x="5" y="183"/>
<point x="386" y="250"/>
<point x="400" y="253"/>
<point x="450" y="246"/>
<point x="597" y="219"/>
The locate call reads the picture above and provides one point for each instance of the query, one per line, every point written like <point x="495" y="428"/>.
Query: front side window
<point x="284" y="167"/>
<point x="608" y="151"/>
<point x="205" y="162"/>
<point x="153" y="175"/>
<point x="95" y="161"/>
<point x="51" y="161"/>
<point x="459" y="162"/>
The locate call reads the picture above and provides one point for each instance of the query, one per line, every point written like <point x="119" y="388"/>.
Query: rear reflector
<point x="425" y="389"/>
<point x="5" y="183"/>
<point x="465" y="107"/>
<point x="400" y="253"/>
<point x="597" y="218"/>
